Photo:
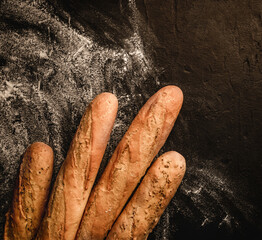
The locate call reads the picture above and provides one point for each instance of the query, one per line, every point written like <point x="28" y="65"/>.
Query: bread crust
<point x="78" y="172"/>
<point x="30" y="194"/>
<point x="133" y="155"/>
<point x="150" y="199"/>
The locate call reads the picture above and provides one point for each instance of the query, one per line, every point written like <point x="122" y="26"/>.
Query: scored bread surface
<point x="78" y="172"/>
<point x="150" y="199"/>
<point x="30" y="194"/>
<point x="133" y="155"/>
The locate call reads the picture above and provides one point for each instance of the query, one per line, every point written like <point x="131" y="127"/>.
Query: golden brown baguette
<point x="30" y="194"/>
<point x="150" y="199"/>
<point x="133" y="155"/>
<point x="78" y="172"/>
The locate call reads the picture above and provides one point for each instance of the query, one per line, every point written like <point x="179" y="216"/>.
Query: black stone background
<point x="54" y="58"/>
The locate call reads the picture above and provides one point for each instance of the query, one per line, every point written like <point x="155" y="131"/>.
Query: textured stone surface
<point x="54" y="62"/>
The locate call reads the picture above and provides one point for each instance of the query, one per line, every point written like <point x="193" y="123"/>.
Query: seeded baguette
<point x="78" y="172"/>
<point x="133" y="155"/>
<point x="30" y="194"/>
<point x="150" y="199"/>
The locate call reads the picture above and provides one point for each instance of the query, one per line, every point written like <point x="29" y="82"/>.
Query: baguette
<point x="150" y="199"/>
<point x="31" y="193"/>
<point x="133" y="155"/>
<point x="78" y="172"/>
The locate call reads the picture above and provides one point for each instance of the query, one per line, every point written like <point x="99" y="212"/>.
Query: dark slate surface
<point x="55" y="59"/>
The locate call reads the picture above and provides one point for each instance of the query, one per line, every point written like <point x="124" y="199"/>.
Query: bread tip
<point x="40" y="145"/>
<point x="173" y="91"/>
<point x="42" y="149"/>
<point x="107" y="97"/>
<point x="177" y="161"/>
